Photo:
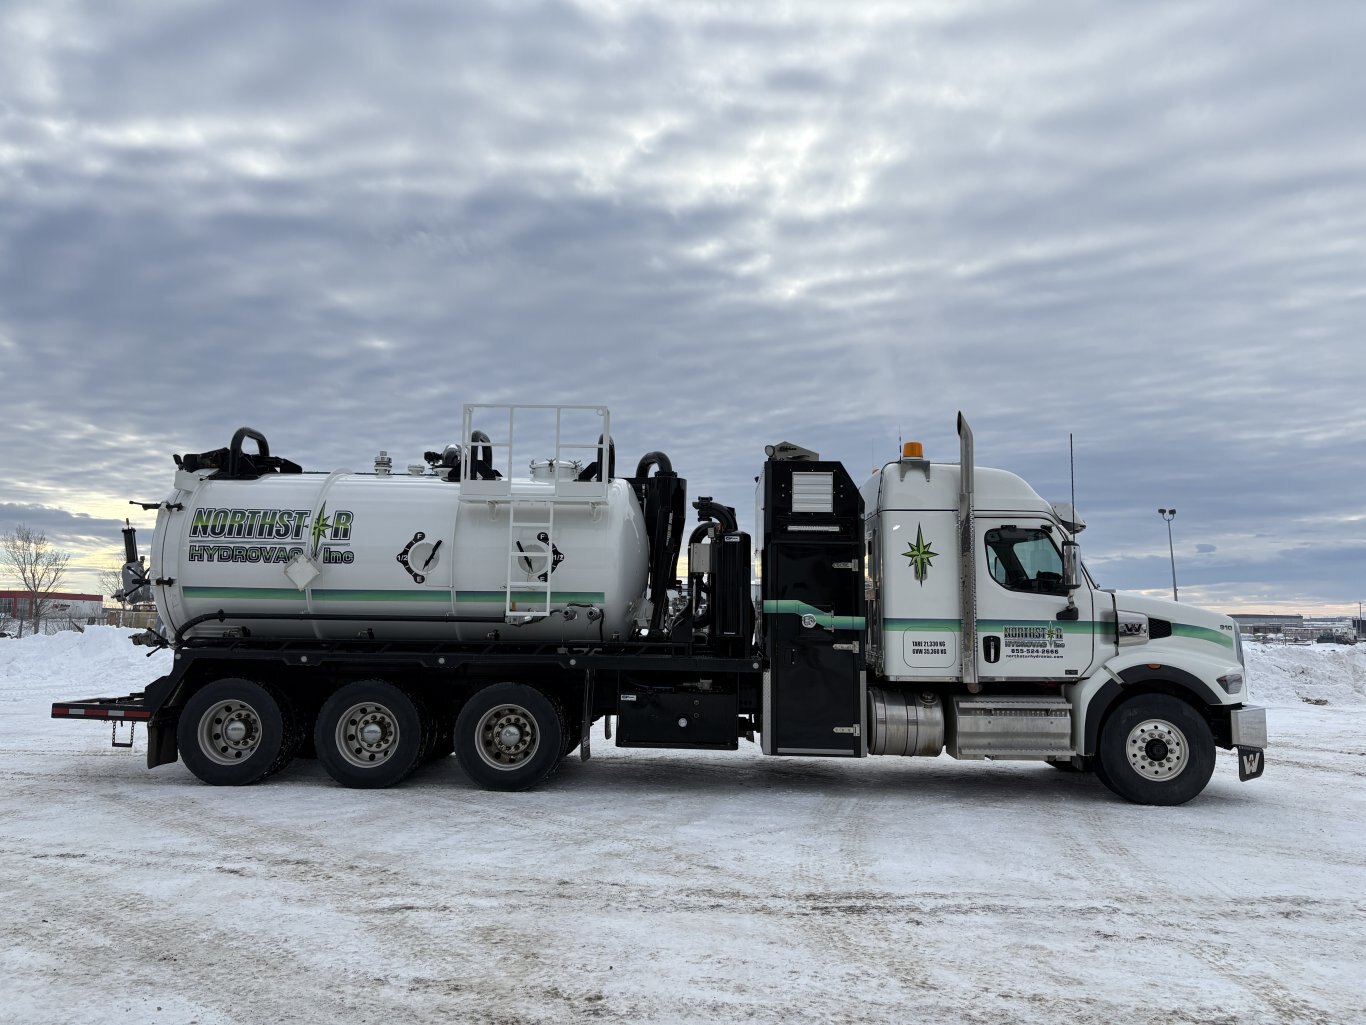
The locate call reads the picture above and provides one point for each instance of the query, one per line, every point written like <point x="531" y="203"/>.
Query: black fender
<point x="1145" y="679"/>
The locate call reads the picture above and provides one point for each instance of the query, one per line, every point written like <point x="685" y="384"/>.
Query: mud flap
<point x="161" y="743"/>
<point x="1251" y="763"/>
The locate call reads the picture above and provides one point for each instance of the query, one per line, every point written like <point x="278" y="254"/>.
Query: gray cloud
<point x="336" y="223"/>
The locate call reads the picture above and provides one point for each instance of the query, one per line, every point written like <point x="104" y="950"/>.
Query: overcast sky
<point x="733" y="224"/>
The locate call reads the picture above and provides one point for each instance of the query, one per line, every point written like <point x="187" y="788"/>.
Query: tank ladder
<point x="531" y="552"/>
<point x="530" y="597"/>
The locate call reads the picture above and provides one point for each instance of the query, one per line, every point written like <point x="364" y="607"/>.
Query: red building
<point x="61" y="610"/>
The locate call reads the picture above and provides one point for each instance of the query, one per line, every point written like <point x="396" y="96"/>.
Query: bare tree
<point x="39" y="567"/>
<point x="111" y="586"/>
<point x="111" y="581"/>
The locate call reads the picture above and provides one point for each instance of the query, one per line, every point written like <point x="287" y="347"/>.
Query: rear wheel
<point x="509" y="737"/>
<point x="371" y="734"/>
<point x="234" y="732"/>
<point x="1156" y="749"/>
<point x="443" y="729"/>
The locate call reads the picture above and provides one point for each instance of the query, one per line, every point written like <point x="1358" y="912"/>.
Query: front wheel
<point x="1156" y="749"/>
<point x="1068" y="764"/>
<point x="509" y="737"/>
<point x="235" y="732"/>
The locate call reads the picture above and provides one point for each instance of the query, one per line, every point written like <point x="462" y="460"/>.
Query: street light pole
<point x="1168" y="515"/>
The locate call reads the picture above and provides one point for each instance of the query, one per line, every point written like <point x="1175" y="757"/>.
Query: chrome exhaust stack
<point x="967" y="565"/>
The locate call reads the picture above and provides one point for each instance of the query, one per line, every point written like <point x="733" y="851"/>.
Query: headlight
<point x="1232" y="683"/>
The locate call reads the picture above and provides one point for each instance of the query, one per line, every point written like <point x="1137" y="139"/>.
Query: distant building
<point x="63" y="611"/>
<point x="1287" y="626"/>
<point x="1268" y="623"/>
<point x="1281" y="626"/>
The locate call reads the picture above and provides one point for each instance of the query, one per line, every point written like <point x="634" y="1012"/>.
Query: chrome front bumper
<point x="1248" y="727"/>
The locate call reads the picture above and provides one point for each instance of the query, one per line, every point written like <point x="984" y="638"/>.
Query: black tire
<point x="1099" y="770"/>
<point x="509" y="737"/>
<point x="235" y="732"/>
<point x="371" y="734"/>
<point x="443" y="730"/>
<point x="1156" y="749"/>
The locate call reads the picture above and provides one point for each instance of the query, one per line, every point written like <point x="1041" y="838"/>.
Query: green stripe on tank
<point x="245" y="593"/>
<point x="561" y="597"/>
<point x="319" y="594"/>
<point x="825" y="619"/>
<point x="435" y="596"/>
<point x="426" y="596"/>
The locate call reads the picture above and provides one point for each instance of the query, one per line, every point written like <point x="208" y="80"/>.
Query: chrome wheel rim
<point x="229" y="732"/>
<point x="367" y="734"/>
<point x="507" y="736"/>
<point x="1157" y="750"/>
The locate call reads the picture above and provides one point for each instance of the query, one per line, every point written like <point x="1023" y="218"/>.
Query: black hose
<point x="481" y="457"/>
<point x="657" y="459"/>
<point x="235" y="453"/>
<point x="594" y="470"/>
<point x="724" y="515"/>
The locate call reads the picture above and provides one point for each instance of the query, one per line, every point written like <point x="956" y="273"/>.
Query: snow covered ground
<point x="678" y="887"/>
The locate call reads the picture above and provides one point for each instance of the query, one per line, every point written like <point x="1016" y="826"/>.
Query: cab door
<point x="1025" y="627"/>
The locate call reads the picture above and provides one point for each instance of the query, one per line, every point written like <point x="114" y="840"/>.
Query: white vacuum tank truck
<point x="383" y="619"/>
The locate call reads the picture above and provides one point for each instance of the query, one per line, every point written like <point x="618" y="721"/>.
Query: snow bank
<point x="67" y="666"/>
<point x="1317" y="674"/>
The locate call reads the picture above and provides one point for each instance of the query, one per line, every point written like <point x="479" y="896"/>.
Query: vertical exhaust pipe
<point x="967" y="563"/>
<point x="134" y="573"/>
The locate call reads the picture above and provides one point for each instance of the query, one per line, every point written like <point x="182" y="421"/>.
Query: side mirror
<point x="1071" y="565"/>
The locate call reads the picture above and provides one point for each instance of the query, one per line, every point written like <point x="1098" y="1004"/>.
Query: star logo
<point x="920" y="555"/>
<point x="320" y="527"/>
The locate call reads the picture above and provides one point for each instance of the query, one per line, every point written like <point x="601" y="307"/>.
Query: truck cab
<point x="977" y="602"/>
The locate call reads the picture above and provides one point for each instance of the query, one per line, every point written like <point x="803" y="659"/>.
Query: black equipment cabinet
<point x="656" y="713"/>
<point x="813" y="603"/>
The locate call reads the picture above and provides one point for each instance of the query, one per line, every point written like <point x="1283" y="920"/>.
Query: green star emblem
<point x="320" y="527"/>
<point x="920" y="555"/>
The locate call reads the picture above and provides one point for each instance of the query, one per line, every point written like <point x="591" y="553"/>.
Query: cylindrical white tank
<point x="370" y="545"/>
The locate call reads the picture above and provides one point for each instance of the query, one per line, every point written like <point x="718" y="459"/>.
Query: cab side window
<point x="1024" y="559"/>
